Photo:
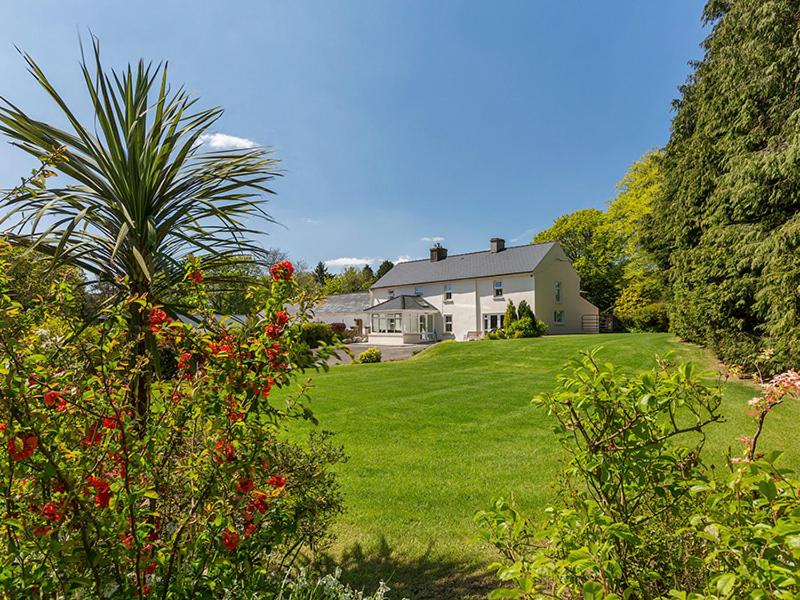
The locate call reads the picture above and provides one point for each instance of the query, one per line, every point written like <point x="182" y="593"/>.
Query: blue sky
<point x="396" y="122"/>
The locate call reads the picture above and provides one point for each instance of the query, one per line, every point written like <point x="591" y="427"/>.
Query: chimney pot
<point x="497" y="245"/>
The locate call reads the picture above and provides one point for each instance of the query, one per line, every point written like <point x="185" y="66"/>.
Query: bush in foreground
<point x="640" y="515"/>
<point x="184" y="487"/>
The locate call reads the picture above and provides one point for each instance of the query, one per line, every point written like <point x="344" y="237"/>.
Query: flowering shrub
<point x="640" y="515"/>
<point x="182" y="487"/>
<point x="302" y="587"/>
<point x="370" y="355"/>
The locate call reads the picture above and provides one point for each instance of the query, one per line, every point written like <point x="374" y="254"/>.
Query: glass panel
<point x="498" y="288"/>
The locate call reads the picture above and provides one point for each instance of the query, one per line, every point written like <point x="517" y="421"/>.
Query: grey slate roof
<point x="514" y="259"/>
<point x="403" y="302"/>
<point x="343" y="303"/>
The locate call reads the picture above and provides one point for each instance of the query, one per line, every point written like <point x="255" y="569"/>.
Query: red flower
<point x="157" y="317"/>
<point x="282" y="271"/>
<point x="258" y="502"/>
<point x="3" y="427"/>
<point x="230" y="539"/>
<point x="224" y="451"/>
<point x="196" y="277"/>
<point x="103" y="492"/>
<point x="110" y="422"/>
<point x="50" y="511"/>
<point x="94" y="435"/>
<point x="150" y="568"/>
<point x="21" y="448"/>
<point x="244" y="485"/>
<point x="184" y="360"/>
<point x="267" y="388"/>
<point x="127" y="540"/>
<point x="273" y="331"/>
<point x="249" y="530"/>
<point x="55" y="399"/>
<point x="277" y="481"/>
<point x="281" y="318"/>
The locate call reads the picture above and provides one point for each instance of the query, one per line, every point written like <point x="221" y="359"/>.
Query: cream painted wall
<point x="557" y="267"/>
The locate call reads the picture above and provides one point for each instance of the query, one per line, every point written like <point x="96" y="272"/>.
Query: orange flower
<point x="21" y="448"/>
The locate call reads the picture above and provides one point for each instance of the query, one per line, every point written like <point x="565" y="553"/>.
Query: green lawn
<point x="437" y="437"/>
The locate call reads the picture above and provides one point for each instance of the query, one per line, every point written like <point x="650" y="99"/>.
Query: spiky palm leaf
<point x="142" y="195"/>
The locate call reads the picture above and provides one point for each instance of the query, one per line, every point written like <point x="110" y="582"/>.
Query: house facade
<point x="464" y="296"/>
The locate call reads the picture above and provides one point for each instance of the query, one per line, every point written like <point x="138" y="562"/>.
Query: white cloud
<point x="223" y="141"/>
<point x="402" y="259"/>
<point x="433" y="238"/>
<point x="527" y="235"/>
<point x="311" y="221"/>
<point x="349" y="262"/>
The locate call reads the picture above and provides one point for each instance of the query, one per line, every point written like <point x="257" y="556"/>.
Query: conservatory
<point x="403" y="320"/>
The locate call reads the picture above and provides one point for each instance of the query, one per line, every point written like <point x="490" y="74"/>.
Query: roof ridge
<point x="405" y="262"/>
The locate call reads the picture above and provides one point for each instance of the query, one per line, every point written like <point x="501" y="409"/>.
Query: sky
<point x="397" y="124"/>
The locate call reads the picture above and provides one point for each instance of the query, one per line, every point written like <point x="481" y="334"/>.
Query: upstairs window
<point x="558" y="291"/>
<point x="498" y="289"/>
<point x="448" y="292"/>
<point x="391" y="293"/>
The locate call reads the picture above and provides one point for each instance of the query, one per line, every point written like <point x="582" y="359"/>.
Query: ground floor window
<point x="448" y="323"/>
<point x="425" y="323"/>
<point x="558" y="317"/>
<point x="492" y="322"/>
<point x="387" y="323"/>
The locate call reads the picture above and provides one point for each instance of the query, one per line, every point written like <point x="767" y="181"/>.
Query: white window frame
<point x="557" y="292"/>
<point x="448" y="323"/>
<point x="448" y="292"/>
<point x="498" y="289"/>
<point x="487" y="321"/>
<point x="559" y="318"/>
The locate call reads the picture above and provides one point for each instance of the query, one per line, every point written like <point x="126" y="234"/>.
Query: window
<point x="498" y="289"/>
<point x="558" y="317"/>
<point x="387" y="323"/>
<point x="448" y="292"/>
<point x="418" y="291"/>
<point x="558" y="291"/>
<point x="493" y="322"/>
<point x="391" y="293"/>
<point x="448" y="323"/>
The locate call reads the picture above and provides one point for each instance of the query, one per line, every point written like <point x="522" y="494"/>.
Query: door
<point x="492" y="322"/>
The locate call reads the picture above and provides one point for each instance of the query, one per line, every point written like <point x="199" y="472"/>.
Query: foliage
<point x="145" y="197"/>
<point x="329" y="587"/>
<point x="525" y="327"/>
<point x="349" y="281"/>
<point x="370" y="355"/>
<point x="525" y="310"/>
<point x="199" y="496"/>
<point x="595" y="251"/>
<point x="725" y="228"/>
<point x="384" y="268"/>
<point x="640" y="305"/>
<point x="316" y="334"/>
<point x="640" y="514"/>
<point x="510" y="315"/>
<point x="321" y="274"/>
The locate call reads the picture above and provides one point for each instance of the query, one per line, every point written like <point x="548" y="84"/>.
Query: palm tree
<point x="142" y="195"/>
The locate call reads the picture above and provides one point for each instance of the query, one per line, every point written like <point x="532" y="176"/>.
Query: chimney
<point x="497" y="245"/>
<point x="438" y="253"/>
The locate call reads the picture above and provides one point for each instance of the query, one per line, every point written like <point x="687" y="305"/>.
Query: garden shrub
<point x="302" y="586"/>
<point x="370" y="355"/>
<point x="510" y="315"/>
<point x="525" y="310"/>
<point x="315" y="334"/>
<point x="117" y="482"/>
<point x="640" y="515"/>
<point x="339" y="330"/>
<point x="525" y="327"/>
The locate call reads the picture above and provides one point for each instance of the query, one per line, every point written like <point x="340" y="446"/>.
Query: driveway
<point x="388" y="353"/>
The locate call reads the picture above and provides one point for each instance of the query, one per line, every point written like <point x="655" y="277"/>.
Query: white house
<point x="463" y="296"/>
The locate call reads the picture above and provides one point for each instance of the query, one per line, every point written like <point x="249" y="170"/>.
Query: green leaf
<point x="725" y="583"/>
<point x="592" y="591"/>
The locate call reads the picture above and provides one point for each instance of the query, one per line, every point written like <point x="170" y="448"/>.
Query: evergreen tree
<point x="726" y="228"/>
<point x="384" y="268"/>
<point x="321" y="274"/>
<point x="525" y="310"/>
<point x="369" y="276"/>
<point x="511" y="314"/>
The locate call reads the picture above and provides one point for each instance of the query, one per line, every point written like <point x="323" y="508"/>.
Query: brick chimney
<point x="497" y="245"/>
<point x="438" y="253"/>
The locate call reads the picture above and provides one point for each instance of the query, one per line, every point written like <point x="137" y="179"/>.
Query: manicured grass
<point x="437" y="437"/>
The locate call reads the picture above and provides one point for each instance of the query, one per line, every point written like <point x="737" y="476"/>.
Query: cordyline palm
<point x="143" y="195"/>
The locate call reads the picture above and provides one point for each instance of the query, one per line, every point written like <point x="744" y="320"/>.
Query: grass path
<point x="437" y="437"/>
